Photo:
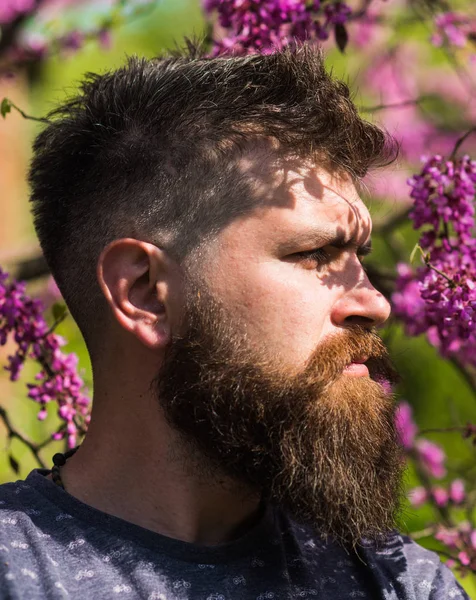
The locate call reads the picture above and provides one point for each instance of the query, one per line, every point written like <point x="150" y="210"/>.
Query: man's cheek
<point x="286" y="330"/>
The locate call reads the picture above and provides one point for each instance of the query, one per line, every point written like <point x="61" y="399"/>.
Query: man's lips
<point x="357" y="368"/>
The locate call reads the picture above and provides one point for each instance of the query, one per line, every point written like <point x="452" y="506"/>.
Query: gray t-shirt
<point x="54" y="546"/>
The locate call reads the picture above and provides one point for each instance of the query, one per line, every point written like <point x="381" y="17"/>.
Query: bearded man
<point x="201" y="217"/>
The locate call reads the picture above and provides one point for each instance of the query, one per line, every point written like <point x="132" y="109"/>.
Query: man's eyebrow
<point x="322" y="237"/>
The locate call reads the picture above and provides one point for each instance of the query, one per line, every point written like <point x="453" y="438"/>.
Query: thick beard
<point x="320" y="444"/>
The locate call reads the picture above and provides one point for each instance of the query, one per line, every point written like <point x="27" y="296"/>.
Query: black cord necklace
<point x="59" y="460"/>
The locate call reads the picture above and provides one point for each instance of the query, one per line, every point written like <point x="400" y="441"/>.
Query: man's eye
<point x="318" y="255"/>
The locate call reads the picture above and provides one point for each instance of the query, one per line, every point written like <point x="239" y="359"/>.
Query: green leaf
<point x="5" y="107"/>
<point x="14" y="464"/>
<point x="59" y="310"/>
<point x="414" y="251"/>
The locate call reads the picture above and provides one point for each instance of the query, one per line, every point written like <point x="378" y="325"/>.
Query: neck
<point x="132" y="465"/>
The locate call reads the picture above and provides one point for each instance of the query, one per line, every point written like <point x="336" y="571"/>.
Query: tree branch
<point x="14" y="433"/>
<point x="26" y="267"/>
<point x="403" y="104"/>
<point x="470" y="378"/>
<point x="461" y="141"/>
<point x="458" y="429"/>
<point x="442" y="511"/>
<point x="26" y="116"/>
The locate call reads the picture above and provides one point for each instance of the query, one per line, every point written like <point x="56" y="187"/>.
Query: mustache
<point x="353" y="344"/>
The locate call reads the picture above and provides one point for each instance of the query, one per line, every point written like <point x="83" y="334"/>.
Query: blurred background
<point x="392" y="64"/>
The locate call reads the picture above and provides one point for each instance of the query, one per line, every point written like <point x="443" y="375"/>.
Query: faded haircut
<point x="150" y="151"/>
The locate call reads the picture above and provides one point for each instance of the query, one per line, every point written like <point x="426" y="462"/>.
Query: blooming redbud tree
<point x="414" y="62"/>
<point x="439" y="299"/>
<point x="58" y="381"/>
<point x="36" y="30"/>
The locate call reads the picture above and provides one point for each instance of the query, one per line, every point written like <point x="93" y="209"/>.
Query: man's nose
<point x="362" y="305"/>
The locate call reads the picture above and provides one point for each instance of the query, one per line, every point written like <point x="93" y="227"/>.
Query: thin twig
<point x="28" y="267"/>
<point x="463" y="371"/>
<point x="444" y="275"/>
<point x="426" y="260"/>
<point x="403" y="104"/>
<point x="55" y="324"/>
<point x="443" y="430"/>
<point x="45" y="442"/>
<point x="461" y="141"/>
<point x="26" y="116"/>
<point x="443" y="511"/>
<point x="14" y="433"/>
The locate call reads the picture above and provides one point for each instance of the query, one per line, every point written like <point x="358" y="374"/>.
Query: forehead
<point x="301" y="202"/>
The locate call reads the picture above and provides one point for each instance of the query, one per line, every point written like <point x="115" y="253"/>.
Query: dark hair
<point x="149" y="151"/>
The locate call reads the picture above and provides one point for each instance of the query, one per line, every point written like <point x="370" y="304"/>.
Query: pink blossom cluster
<point x="394" y="81"/>
<point x="461" y="541"/>
<point x="439" y="299"/>
<point x="431" y="456"/>
<point x="451" y="28"/>
<point x="441" y="496"/>
<point x="37" y="47"/>
<point x="11" y="9"/>
<point x="38" y="39"/>
<point x="21" y="319"/>
<point x="266" y="25"/>
<point x="32" y="43"/>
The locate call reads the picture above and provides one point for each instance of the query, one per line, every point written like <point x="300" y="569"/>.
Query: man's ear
<point x="137" y="280"/>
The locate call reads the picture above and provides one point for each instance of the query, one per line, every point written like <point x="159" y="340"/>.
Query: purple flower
<point x="440" y="495"/>
<point x="265" y="25"/>
<point x="21" y="318"/>
<point x="74" y="40"/>
<point x="408" y="305"/>
<point x="418" y="496"/>
<point x="449" y="537"/>
<point x="439" y="299"/>
<point x="11" y="9"/>
<point x="337" y="13"/>
<point x="432" y="458"/>
<point x="407" y="428"/>
<point x="457" y="493"/>
<point x="473" y="538"/>
<point x="451" y="28"/>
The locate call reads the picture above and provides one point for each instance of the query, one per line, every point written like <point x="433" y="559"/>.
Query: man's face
<point x="265" y="384"/>
<point x="263" y="271"/>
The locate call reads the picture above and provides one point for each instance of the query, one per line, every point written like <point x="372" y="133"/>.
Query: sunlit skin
<point x="291" y="302"/>
<point x="131" y="463"/>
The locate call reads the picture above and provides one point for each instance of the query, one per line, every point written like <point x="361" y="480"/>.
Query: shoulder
<point x="17" y="493"/>
<point x="13" y="496"/>
<point x="399" y="568"/>
<point x="414" y="570"/>
<point x="24" y="543"/>
<point x="429" y="574"/>
<point x="21" y="503"/>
